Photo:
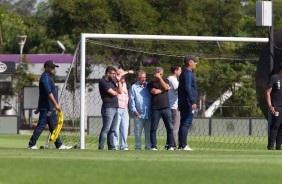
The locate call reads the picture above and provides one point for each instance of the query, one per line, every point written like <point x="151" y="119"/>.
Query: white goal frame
<point x="84" y="36"/>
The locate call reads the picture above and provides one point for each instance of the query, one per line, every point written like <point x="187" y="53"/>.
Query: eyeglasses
<point x="112" y="73"/>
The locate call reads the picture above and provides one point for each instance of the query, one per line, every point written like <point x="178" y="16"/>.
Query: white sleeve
<point x="173" y="82"/>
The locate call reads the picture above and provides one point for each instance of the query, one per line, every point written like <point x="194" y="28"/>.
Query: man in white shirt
<point x="173" y="99"/>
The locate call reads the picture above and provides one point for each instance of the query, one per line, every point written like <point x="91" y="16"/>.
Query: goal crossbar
<point x="84" y="36"/>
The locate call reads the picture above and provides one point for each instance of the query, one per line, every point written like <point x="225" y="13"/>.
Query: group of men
<point x="172" y="99"/>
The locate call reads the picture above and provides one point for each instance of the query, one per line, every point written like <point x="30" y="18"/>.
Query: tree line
<point x="52" y="20"/>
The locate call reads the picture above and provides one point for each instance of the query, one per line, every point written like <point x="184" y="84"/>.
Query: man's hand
<point x="194" y="106"/>
<point x="157" y="75"/>
<point x="131" y="71"/>
<point x="118" y="78"/>
<point x="272" y="110"/>
<point x="136" y="113"/>
<point x="58" y="108"/>
<point x="36" y="111"/>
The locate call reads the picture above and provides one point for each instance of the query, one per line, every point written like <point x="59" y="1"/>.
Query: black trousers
<point x="275" y="131"/>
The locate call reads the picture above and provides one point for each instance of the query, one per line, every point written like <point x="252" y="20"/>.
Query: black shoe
<point x="166" y="147"/>
<point x="270" y="148"/>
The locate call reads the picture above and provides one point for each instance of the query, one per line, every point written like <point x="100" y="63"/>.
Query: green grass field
<point x="20" y="165"/>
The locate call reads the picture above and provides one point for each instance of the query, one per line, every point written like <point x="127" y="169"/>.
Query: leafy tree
<point x="134" y="17"/>
<point x="66" y="20"/>
<point x="70" y="17"/>
<point x="11" y="25"/>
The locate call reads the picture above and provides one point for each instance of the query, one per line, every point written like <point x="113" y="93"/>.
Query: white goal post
<point x="85" y="36"/>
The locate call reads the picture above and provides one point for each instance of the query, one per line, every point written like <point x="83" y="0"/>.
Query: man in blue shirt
<point x="187" y="98"/>
<point x="140" y="105"/>
<point x="47" y="106"/>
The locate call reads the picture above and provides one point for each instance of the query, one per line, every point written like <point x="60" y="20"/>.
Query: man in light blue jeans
<point x="109" y="91"/>
<point x="121" y="132"/>
<point x="140" y="105"/>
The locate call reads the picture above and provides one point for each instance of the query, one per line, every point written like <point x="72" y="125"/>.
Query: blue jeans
<point x="121" y="129"/>
<point x="186" y="117"/>
<point x="109" y="117"/>
<point x="45" y="117"/>
<point x="166" y="115"/>
<point x="139" y="124"/>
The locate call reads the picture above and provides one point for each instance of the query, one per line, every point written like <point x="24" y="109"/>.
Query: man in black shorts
<point x="274" y="102"/>
<point x="160" y="108"/>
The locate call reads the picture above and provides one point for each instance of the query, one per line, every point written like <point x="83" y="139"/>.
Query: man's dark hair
<point x="189" y="58"/>
<point x="110" y="68"/>
<point x="173" y="68"/>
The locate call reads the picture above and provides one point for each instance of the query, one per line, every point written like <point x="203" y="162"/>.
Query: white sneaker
<point x="65" y="147"/>
<point x="124" y="149"/>
<point x="187" y="148"/>
<point x="171" y="149"/>
<point x="154" y="149"/>
<point x="32" y="147"/>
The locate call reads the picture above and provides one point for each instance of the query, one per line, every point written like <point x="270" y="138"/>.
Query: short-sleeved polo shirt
<point x="159" y="101"/>
<point x="109" y="101"/>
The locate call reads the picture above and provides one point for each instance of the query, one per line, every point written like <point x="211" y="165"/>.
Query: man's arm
<point x="52" y="98"/>
<point x="188" y="89"/>
<point x="268" y="100"/>
<point x="132" y="105"/>
<point x="126" y="72"/>
<point x="163" y="84"/>
<point x="118" y="91"/>
<point x="156" y="91"/>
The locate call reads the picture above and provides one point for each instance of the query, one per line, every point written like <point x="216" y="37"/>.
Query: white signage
<point x="3" y="67"/>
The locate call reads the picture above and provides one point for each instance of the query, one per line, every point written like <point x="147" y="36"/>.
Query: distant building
<point x="37" y="60"/>
<point x="63" y="60"/>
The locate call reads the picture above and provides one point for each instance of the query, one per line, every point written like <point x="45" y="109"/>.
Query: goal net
<point x="228" y="114"/>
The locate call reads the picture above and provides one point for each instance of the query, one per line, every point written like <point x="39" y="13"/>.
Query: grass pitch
<point x="19" y="165"/>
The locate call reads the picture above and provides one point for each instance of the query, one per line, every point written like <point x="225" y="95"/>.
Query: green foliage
<point x="66" y="20"/>
<point x="70" y="17"/>
<point x="11" y="25"/>
<point x="134" y="17"/>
